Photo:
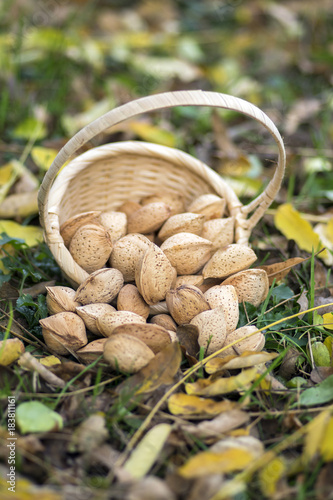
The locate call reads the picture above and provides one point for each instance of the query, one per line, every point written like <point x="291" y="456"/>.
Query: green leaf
<point x="322" y="393"/>
<point x="33" y="416"/>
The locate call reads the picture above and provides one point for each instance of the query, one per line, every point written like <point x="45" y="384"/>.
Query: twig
<point x="30" y="363"/>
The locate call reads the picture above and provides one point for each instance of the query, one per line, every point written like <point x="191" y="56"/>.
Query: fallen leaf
<point x="208" y="462"/>
<point x="147" y="451"/>
<point x="43" y="157"/>
<point x="222" y="385"/>
<point x="324" y="483"/>
<point x="8" y="175"/>
<point x="33" y="416"/>
<point x="223" y="423"/>
<point x="249" y="443"/>
<point x="151" y="133"/>
<point x="328" y="320"/>
<point x="314" y="436"/>
<point x="294" y="227"/>
<point x="244" y="360"/>
<point x="279" y="270"/>
<point x="31" y="235"/>
<point x="161" y="370"/>
<point x="19" y="205"/>
<point x="303" y="301"/>
<point x="50" y="361"/>
<point x="324" y="232"/>
<point x="185" y="404"/>
<point x="270" y="475"/>
<point x="326" y="445"/>
<point x="30" y="128"/>
<point x="10" y="351"/>
<point x="320" y="373"/>
<point x="322" y="393"/>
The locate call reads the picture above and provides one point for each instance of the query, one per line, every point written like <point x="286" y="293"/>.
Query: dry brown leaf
<point x="279" y="270"/>
<point x="221" y="424"/>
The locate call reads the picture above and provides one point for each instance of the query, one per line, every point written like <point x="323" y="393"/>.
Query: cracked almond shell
<point x="251" y="285"/>
<point x="64" y="330"/>
<point x="212" y="329"/>
<point x="185" y="302"/>
<point x="91" y="247"/>
<point x="154" y="275"/>
<point x="229" y="260"/>
<point x="127" y="353"/>
<point x="187" y="252"/>
<point x="126" y="254"/>
<point x="101" y="286"/>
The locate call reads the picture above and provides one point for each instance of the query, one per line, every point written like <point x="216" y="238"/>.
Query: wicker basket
<point x="104" y="177"/>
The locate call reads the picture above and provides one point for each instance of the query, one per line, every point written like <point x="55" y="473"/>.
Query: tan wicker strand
<point x="104" y="177"/>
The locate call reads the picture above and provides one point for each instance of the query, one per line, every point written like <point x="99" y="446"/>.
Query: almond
<point x="101" y="286"/>
<point x="229" y="260"/>
<point x="126" y="353"/>
<point x="219" y="231"/>
<point x="64" y="332"/>
<point x="128" y="207"/>
<point x="115" y="223"/>
<point x="164" y="320"/>
<point x="90" y="312"/>
<point x="154" y="275"/>
<point x="108" y="322"/>
<point x="130" y="299"/>
<point x="185" y="302"/>
<point x="69" y="228"/>
<point x="126" y="254"/>
<point x="189" y="279"/>
<point x="91" y="247"/>
<point x="148" y="218"/>
<point x="251" y="285"/>
<point x="254" y="343"/>
<point x="89" y="353"/>
<point x="225" y="296"/>
<point x="212" y="329"/>
<point x="187" y="252"/>
<point x="182" y="223"/>
<point x="174" y="201"/>
<point x="210" y="205"/>
<point x="60" y="299"/>
<point x="154" y="336"/>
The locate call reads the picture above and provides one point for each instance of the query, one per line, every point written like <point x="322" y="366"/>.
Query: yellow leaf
<point x="328" y="321"/>
<point x="292" y="225"/>
<point x="151" y="133"/>
<point x="215" y="387"/>
<point x="31" y="235"/>
<point x="315" y="435"/>
<point x="19" y="205"/>
<point x="207" y="462"/>
<point x="185" y="404"/>
<point x="326" y="445"/>
<point x="328" y="342"/>
<point x="50" y="361"/>
<point x="8" y="175"/>
<point x="270" y="475"/>
<point x="147" y="451"/>
<point x="245" y="360"/>
<point x="29" y="128"/>
<point x="10" y="351"/>
<point x="43" y="157"/>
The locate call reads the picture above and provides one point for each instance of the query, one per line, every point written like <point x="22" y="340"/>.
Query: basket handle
<point x="168" y="100"/>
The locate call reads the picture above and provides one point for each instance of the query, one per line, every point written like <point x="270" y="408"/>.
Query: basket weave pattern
<point x="106" y="176"/>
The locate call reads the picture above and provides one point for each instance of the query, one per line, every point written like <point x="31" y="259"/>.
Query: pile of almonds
<point x="156" y="255"/>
